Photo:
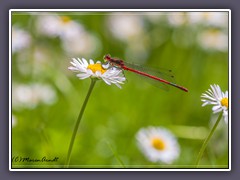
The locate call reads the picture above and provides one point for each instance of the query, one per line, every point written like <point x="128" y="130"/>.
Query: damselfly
<point x="154" y="75"/>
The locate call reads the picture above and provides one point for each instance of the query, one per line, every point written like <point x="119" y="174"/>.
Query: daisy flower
<point x="176" y="19"/>
<point x="31" y="95"/>
<point x="214" y="19"/>
<point x="158" y="144"/>
<point x="75" y="39"/>
<point x="20" y="39"/>
<point x="213" y="39"/>
<point x="125" y="26"/>
<point x="218" y="99"/>
<point x="62" y="26"/>
<point x="85" y="69"/>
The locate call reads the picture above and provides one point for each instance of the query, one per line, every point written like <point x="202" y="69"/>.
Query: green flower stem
<point x="116" y="155"/>
<point x="93" y="81"/>
<point x="207" y="139"/>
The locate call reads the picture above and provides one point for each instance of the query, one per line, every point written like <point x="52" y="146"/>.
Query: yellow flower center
<point x="96" y="67"/>
<point x="158" y="144"/>
<point x="65" y="19"/>
<point x="224" y="102"/>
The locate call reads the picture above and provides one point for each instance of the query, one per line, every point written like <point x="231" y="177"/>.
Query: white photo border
<point x="118" y="10"/>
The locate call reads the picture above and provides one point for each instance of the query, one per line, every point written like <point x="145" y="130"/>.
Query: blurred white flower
<point x="20" y="39"/>
<point x="213" y="39"/>
<point x="125" y="27"/>
<point x="84" y="44"/>
<point x="75" y="39"/>
<point x="130" y="29"/>
<point x="48" y="25"/>
<point x="158" y="144"/>
<point x="218" y="99"/>
<point x="176" y="18"/>
<point x="62" y="26"/>
<point x="216" y="19"/>
<point x="29" y="96"/>
<point x="110" y="75"/>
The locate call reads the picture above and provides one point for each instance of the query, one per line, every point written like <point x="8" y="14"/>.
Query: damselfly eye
<point x="105" y="65"/>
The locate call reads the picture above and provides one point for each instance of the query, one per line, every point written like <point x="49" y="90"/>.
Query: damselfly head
<point x="107" y="57"/>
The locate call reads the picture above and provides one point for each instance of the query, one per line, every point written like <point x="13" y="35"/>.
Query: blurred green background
<point x="47" y="97"/>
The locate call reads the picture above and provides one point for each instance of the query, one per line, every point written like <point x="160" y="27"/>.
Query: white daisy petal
<point x="206" y="103"/>
<point x="84" y="61"/>
<point x="72" y="68"/>
<point x="106" y="81"/>
<point x="118" y="85"/>
<point x="217" y="111"/>
<point x="209" y="98"/>
<point x="226" y="94"/>
<point x="91" y="61"/>
<point x="98" y="73"/>
<point x="225" y="116"/>
<point x="83" y="76"/>
<point x="73" y="62"/>
<point x="225" y="119"/>
<point x="218" y="92"/>
<point x="217" y="98"/>
<point x="214" y="108"/>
